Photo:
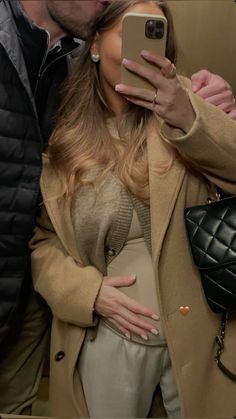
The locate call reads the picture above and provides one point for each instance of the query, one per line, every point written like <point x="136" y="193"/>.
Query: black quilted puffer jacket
<point x="21" y="146"/>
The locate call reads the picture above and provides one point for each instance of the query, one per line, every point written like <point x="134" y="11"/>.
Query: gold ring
<point x="172" y="73"/>
<point x="154" y="102"/>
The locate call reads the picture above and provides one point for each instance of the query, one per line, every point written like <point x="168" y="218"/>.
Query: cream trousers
<point x="119" y="377"/>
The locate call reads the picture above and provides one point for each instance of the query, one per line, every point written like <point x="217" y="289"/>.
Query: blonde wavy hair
<point x="82" y="148"/>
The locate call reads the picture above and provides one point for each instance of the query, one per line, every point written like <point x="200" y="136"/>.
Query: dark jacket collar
<point x="32" y="39"/>
<point x="10" y="36"/>
<point x="34" y="42"/>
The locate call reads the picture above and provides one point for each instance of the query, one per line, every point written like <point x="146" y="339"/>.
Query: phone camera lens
<point x="154" y="29"/>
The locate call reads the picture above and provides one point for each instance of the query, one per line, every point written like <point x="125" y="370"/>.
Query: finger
<point x="218" y="99"/>
<point x="129" y="91"/>
<point x="199" y="80"/>
<point x="166" y="67"/>
<point x="137" y="321"/>
<point x="119" y="281"/>
<point x="169" y="70"/>
<point x="148" y="105"/>
<point x="232" y="115"/>
<point x="154" y="77"/>
<point x="158" y="60"/>
<point x="130" y="327"/>
<point x="226" y="107"/>
<point x="122" y="329"/>
<point x="211" y="90"/>
<point x="138" y="308"/>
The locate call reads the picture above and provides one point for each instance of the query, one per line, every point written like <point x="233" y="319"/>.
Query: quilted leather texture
<point x="211" y="230"/>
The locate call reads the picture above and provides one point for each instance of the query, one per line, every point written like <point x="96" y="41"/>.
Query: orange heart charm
<point x="184" y="310"/>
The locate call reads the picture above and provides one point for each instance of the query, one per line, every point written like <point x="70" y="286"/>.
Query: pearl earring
<point x="95" y="57"/>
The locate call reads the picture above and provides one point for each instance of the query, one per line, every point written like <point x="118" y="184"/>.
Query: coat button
<point x="59" y="356"/>
<point x="111" y="252"/>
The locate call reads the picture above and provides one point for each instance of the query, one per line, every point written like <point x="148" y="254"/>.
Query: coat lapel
<point x="59" y="209"/>
<point x="164" y="189"/>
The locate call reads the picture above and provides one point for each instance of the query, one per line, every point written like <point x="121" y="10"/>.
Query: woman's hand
<point x="215" y="90"/>
<point x="170" y="99"/>
<point x="122" y="311"/>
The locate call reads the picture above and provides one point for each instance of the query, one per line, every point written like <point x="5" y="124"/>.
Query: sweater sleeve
<point x="69" y="288"/>
<point x="210" y="144"/>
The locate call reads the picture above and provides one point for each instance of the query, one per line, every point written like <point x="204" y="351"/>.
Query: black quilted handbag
<point x="211" y="230"/>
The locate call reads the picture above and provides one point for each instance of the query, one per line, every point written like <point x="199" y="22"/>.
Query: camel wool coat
<point x="70" y="289"/>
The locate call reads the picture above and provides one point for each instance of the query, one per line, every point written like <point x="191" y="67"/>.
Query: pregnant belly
<point x="135" y="259"/>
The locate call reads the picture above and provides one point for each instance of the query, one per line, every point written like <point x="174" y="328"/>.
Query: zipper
<point x="56" y="59"/>
<point x="41" y="73"/>
<point x="42" y="63"/>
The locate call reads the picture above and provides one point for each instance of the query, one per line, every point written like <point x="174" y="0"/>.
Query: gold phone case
<point x="134" y="40"/>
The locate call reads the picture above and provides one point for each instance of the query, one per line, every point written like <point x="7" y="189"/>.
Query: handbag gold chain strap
<point x="220" y="347"/>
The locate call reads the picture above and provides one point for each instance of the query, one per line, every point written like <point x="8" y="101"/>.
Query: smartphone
<point x="141" y="31"/>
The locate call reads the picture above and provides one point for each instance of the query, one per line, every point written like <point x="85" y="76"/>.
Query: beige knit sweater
<point x="102" y="221"/>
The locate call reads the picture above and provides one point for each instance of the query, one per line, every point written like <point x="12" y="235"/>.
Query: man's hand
<point x="215" y="90"/>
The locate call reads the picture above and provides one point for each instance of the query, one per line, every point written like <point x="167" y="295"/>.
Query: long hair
<point x="83" y="148"/>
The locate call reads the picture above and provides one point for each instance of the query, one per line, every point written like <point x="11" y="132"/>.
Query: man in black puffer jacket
<point x="36" y="42"/>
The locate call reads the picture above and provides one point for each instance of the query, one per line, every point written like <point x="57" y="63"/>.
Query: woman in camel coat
<point x="204" y="143"/>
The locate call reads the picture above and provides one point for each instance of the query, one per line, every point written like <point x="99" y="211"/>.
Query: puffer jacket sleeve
<point x="210" y="144"/>
<point x="69" y="288"/>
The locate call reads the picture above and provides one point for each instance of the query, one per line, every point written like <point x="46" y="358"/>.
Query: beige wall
<point x="206" y="33"/>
